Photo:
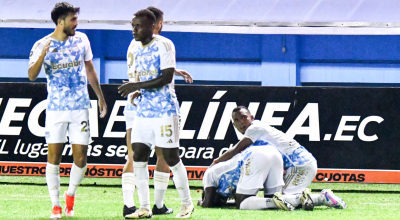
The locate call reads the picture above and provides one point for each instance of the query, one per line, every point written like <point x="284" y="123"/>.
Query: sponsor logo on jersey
<point x="148" y="73"/>
<point x="66" y="65"/>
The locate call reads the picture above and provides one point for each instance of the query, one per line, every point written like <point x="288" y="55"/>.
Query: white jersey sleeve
<point x="88" y="49"/>
<point x="254" y="132"/>
<point x="167" y="55"/>
<point x="130" y="61"/>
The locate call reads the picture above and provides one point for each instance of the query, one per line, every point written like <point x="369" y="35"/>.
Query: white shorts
<point x="75" y="122"/>
<point x="161" y="132"/>
<point x="129" y="117"/>
<point x="298" y="178"/>
<point x="263" y="166"/>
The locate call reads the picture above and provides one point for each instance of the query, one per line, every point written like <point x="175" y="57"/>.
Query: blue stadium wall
<point x="234" y="59"/>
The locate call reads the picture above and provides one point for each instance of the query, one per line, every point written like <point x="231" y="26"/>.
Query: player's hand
<point x="46" y="47"/>
<point x="186" y="76"/>
<point x="127" y="88"/>
<point x="134" y="95"/>
<point x="103" y="108"/>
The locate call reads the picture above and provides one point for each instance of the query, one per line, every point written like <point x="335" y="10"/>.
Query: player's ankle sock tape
<point x="51" y="168"/>
<point x="128" y="181"/>
<point x="161" y="180"/>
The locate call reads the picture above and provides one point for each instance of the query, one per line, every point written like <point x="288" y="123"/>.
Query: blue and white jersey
<point x="224" y="176"/>
<point x="293" y="153"/>
<point x="64" y="65"/>
<point x="131" y="72"/>
<point x="148" y="61"/>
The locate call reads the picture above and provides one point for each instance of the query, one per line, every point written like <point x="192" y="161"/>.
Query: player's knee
<point x="142" y="152"/>
<point x="172" y="161"/>
<point x="171" y="156"/>
<point x="80" y="163"/>
<point x="54" y="160"/>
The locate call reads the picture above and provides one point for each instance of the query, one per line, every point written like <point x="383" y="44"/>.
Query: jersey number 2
<point x="85" y="126"/>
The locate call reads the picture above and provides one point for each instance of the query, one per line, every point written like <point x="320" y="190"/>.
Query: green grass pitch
<point x="101" y="198"/>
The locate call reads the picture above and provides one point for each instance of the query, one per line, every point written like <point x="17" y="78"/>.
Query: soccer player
<point x="300" y="165"/>
<point x="162" y="172"/>
<point x="66" y="57"/>
<point x="157" y="118"/>
<point x="246" y="173"/>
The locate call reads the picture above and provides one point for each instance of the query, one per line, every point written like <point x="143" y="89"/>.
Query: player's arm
<point x="34" y="68"/>
<point x="239" y="147"/>
<point x="186" y="76"/>
<point x="94" y="82"/>
<point x="165" y="78"/>
<point x="208" y="200"/>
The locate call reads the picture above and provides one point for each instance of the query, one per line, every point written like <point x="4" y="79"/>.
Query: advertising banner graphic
<point x="352" y="132"/>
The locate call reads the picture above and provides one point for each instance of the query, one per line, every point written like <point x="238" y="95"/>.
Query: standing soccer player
<point x="66" y="56"/>
<point x="157" y="118"/>
<point x="162" y="171"/>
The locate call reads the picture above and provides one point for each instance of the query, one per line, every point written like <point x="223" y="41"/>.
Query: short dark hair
<point x="240" y="107"/>
<point x="61" y="10"/>
<point x="146" y="13"/>
<point x="157" y="12"/>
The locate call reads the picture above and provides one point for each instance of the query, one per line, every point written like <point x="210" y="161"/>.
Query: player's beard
<point x="69" y="31"/>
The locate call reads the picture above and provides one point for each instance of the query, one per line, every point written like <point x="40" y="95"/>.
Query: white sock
<point x="318" y="199"/>
<point x="53" y="183"/>
<point x="161" y="180"/>
<point x="142" y="183"/>
<point x="75" y="178"/>
<point x="293" y="199"/>
<point x="128" y="189"/>
<point x="256" y="203"/>
<point x="181" y="183"/>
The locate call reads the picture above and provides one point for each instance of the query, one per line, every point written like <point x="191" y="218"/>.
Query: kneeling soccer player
<point x="246" y="174"/>
<point x="300" y="164"/>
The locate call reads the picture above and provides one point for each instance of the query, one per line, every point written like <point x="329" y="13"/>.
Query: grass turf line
<point x="197" y="184"/>
<point x="32" y="202"/>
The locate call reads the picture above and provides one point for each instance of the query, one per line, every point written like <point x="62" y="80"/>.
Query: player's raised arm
<point x="94" y="82"/>
<point x="36" y="59"/>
